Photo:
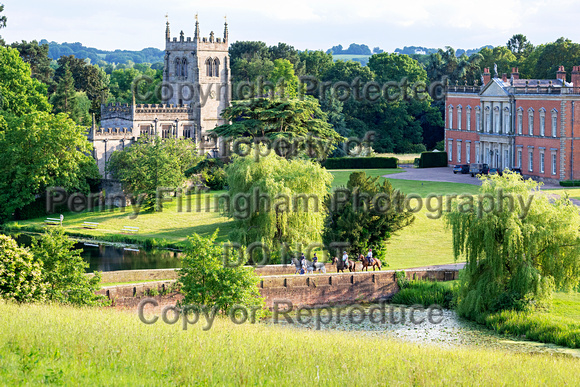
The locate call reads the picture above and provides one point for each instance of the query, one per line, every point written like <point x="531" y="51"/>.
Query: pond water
<point x="109" y="257"/>
<point x="445" y="329"/>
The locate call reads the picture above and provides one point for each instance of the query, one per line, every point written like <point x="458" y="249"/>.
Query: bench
<point x="128" y="229"/>
<point x="92" y="225"/>
<point x="53" y="221"/>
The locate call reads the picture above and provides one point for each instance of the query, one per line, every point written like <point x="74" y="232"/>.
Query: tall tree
<point x="36" y="55"/>
<point x="90" y="79"/>
<point x="153" y="163"/>
<point x="19" y="92"/>
<point x="562" y="52"/>
<point x="273" y="118"/>
<point x="368" y="217"/>
<point x="519" y="45"/>
<point x="296" y="191"/>
<point x="3" y="21"/>
<point x="64" y="98"/>
<point x="516" y="253"/>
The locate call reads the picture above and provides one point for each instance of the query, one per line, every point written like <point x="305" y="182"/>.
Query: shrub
<point x="360" y="162"/>
<point x="433" y="159"/>
<point x="20" y="273"/>
<point x="206" y="279"/>
<point x="212" y="172"/>
<point x="63" y="270"/>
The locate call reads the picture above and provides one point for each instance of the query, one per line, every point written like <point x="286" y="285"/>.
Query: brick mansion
<point x="196" y="89"/>
<point x="516" y="123"/>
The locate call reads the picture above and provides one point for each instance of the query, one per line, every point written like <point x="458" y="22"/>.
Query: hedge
<point x="360" y="162"/>
<point x="433" y="159"/>
<point x="570" y="183"/>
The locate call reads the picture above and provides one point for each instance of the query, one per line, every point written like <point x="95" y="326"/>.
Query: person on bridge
<point x="370" y="256"/>
<point x="345" y="258"/>
<point x="314" y="259"/>
<point x="303" y="263"/>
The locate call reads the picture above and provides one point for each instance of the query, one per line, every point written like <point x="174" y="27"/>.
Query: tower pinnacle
<point x="196" y="34"/>
<point x="226" y="29"/>
<point x="167" y="34"/>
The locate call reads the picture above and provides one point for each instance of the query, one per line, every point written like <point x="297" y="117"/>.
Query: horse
<point x="366" y="263"/>
<point x="310" y="267"/>
<point x="340" y="265"/>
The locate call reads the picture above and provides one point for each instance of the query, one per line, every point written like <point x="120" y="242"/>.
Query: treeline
<point x="75" y="86"/>
<point x="103" y="57"/>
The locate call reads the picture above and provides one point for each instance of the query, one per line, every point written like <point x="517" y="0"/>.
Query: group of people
<point x="303" y="264"/>
<point x="369" y="257"/>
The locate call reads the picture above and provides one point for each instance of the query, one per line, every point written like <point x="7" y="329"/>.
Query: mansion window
<point x="519" y="158"/>
<point x="531" y="122"/>
<point x="468" y="118"/>
<point x="496" y="120"/>
<point x="188" y="131"/>
<point x="459" y="117"/>
<point x="487" y="120"/>
<point x="468" y="152"/>
<point x="541" y="161"/>
<point x="450" y="149"/>
<point x="542" y="122"/>
<point x="166" y="131"/>
<point x="477" y="120"/>
<point x="458" y="151"/>
<point x="531" y="160"/>
<point x="506" y="121"/>
<point x="520" y="121"/>
<point x="216" y="67"/>
<point x="553" y="163"/>
<point x="477" y="158"/>
<point x="450" y="117"/>
<point x="554" y="123"/>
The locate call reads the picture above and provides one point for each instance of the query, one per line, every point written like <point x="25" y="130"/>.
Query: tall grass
<point x="424" y="293"/>
<point x="543" y="327"/>
<point x="66" y="346"/>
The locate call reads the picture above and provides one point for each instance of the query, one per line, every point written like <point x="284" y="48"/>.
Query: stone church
<point x="196" y="88"/>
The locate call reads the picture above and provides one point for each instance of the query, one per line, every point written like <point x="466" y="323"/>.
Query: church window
<point x="209" y="67"/>
<point x="216" y="67"/>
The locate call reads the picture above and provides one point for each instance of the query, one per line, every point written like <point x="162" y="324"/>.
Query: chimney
<point x="515" y="73"/>
<point x="486" y="76"/>
<point x="576" y="76"/>
<point x="561" y="74"/>
<point x="504" y="77"/>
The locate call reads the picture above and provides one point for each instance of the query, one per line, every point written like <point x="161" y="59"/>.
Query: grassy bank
<point x="66" y="346"/>
<point x="559" y="325"/>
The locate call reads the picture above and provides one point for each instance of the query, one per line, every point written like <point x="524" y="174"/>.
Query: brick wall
<point x="302" y="290"/>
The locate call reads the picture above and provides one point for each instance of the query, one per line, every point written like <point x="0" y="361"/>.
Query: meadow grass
<point x="43" y="344"/>
<point x="423" y="292"/>
<point x="560" y="324"/>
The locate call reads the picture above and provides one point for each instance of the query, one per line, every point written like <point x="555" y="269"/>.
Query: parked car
<point x="478" y="169"/>
<point x="516" y="170"/>
<point x="494" y="171"/>
<point x="461" y="168"/>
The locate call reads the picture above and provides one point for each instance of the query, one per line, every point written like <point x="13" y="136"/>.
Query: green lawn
<point x="341" y="175"/>
<point x="57" y="345"/>
<point x="169" y="224"/>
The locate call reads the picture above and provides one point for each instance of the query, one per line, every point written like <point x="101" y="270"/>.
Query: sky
<point x="133" y="25"/>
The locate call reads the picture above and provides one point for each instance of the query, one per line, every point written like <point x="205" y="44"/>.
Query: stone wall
<point x="301" y="290"/>
<point x="169" y="274"/>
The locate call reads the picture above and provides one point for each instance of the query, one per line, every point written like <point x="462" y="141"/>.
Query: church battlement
<point x="116" y="133"/>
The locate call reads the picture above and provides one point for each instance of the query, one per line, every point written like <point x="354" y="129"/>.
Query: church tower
<point x="197" y="73"/>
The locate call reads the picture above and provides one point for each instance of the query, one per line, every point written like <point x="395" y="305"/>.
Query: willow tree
<point x="519" y="244"/>
<point x="276" y="202"/>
